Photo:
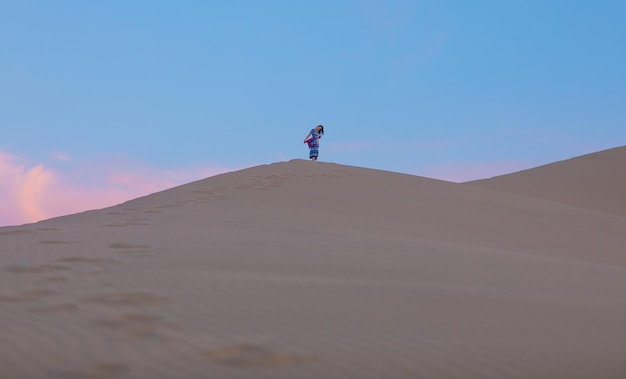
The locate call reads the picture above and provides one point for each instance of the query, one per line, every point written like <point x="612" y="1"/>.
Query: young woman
<point x="314" y="142"/>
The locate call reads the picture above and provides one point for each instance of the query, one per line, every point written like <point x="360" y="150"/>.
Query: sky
<point x="105" y="101"/>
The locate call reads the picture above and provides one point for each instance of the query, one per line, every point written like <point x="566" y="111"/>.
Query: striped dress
<point x="314" y="145"/>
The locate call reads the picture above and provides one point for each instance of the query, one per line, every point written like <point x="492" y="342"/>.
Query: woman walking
<point x="314" y="142"/>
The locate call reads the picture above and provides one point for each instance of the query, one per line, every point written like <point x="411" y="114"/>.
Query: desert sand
<point x="306" y="269"/>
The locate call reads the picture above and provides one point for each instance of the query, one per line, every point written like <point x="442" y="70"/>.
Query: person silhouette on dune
<point x="314" y="141"/>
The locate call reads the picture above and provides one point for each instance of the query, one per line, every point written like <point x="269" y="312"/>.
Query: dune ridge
<point x="594" y="181"/>
<point x="313" y="269"/>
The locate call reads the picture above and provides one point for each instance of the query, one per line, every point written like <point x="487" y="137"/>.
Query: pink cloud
<point x="32" y="184"/>
<point x="466" y="171"/>
<point x="32" y="193"/>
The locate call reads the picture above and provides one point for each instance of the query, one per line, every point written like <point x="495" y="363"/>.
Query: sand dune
<point x="595" y="181"/>
<point x="316" y="270"/>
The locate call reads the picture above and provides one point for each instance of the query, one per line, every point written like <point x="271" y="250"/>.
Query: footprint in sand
<point x="55" y="242"/>
<point x="255" y="356"/>
<point x="129" y="222"/>
<point x="54" y="267"/>
<point x="136" y="325"/>
<point x="208" y="194"/>
<point x="122" y="245"/>
<point x="128" y="248"/>
<point x="55" y="279"/>
<point x="57" y="309"/>
<point x="84" y="260"/>
<point x="170" y="206"/>
<point x="264" y="182"/>
<point x="36" y="269"/>
<point x="128" y="299"/>
<point x="13" y="232"/>
<point x="100" y="370"/>
<point x="27" y="296"/>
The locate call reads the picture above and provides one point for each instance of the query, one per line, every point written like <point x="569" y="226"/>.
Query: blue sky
<point x="134" y="96"/>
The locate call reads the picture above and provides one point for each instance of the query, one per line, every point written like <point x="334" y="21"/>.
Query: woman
<point x="314" y="142"/>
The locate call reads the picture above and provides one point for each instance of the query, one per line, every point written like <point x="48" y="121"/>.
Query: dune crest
<point x="318" y="270"/>
<point x="594" y="181"/>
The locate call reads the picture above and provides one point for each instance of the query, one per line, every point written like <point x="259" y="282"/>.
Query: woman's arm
<point x="307" y="137"/>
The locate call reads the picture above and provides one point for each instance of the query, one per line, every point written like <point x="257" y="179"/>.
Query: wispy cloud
<point x="20" y="190"/>
<point x="33" y="192"/>
<point x="61" y="156"/>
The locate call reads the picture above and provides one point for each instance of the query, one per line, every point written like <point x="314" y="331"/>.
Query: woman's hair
<point x="321" y="129"/>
